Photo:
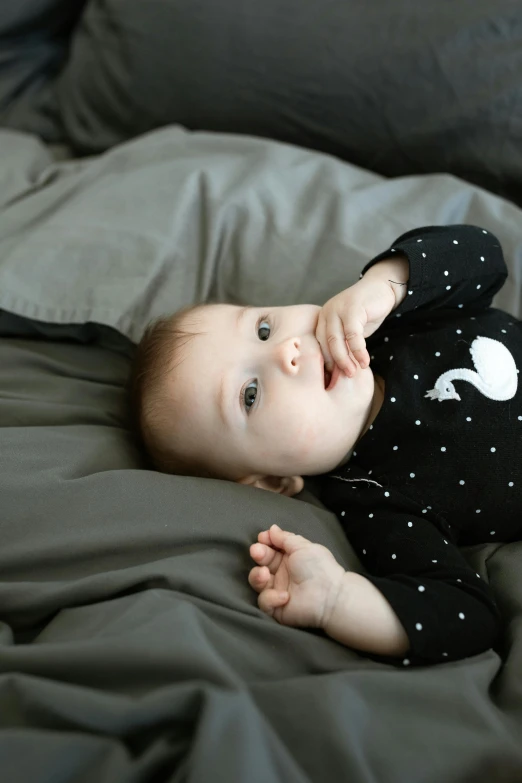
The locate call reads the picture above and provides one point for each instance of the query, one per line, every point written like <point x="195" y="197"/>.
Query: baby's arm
<point x="434" y="609"/>
<point x="301" y="584"/>
<point x="363" y="619"/>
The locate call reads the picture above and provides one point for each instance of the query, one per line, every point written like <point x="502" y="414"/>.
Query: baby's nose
<point x="287" y="354"/>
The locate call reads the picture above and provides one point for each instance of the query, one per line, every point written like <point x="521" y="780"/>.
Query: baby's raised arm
<point x="428" y="268"/>
<point x="357" y="312"/>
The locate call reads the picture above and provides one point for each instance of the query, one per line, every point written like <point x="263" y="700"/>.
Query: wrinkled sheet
<point x="131" y="646"/>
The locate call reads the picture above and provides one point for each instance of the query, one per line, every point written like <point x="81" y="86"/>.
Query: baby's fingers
<point x="266" y="556"/>
<point x="362" y="357"/>
<point x="270" y="600"/>
<point x="342" y="340"/>
<point x="260" y="578"/>
<point x="320" y="335"/>
<point x="289" y="542"/>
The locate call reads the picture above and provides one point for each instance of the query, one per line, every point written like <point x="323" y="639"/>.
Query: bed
<point x="158" y="154"/>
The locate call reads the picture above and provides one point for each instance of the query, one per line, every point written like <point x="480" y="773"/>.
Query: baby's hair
<point x="153" y="409"/>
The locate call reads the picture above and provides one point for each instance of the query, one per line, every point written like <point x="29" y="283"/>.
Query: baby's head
<point x="239" y="393"/>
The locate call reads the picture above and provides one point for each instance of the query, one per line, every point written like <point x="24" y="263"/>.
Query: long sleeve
<point x="447" y="610"/>
<point x="456" y="266"/>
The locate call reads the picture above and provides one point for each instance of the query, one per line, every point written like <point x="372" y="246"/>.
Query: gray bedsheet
<point x="131" y="646"/>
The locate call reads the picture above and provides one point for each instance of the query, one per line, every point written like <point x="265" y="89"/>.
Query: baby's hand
<point x="348" y="318"/>
<point x="297" y="581"/>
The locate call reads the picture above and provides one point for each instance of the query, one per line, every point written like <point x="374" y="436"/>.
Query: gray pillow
<point x="34" y="36"/>
<point x="398" y="88"/>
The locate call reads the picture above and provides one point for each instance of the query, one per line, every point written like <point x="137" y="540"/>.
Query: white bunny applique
<point x="496" y="373"/>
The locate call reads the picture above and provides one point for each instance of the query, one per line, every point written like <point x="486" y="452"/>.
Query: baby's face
<point x="251" y="396"/>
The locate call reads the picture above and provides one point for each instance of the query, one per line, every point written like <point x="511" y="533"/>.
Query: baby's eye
<point x="263" y="329"/>
<point x="249" y="395"/>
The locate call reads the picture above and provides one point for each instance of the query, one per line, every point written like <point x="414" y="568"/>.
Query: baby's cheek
<point x="308" y="435"/>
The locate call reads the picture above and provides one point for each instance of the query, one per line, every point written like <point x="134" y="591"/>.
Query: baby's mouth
<point x="327" y="377"/>
<point x="331" y="378"/>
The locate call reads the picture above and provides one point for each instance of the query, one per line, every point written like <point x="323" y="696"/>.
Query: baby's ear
<point x="282" y="485"/>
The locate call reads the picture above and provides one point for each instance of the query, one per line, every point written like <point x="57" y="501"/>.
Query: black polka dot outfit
<point x="441" y="465"/>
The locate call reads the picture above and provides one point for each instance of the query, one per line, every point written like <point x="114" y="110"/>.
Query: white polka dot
<point x="482" y="258"/>
<point x="443" y="448"/>
<point x="371" y="516"/>
<point x="503" y="331"/>
<point x="461" y="615"/>
<point x="437" y="353"/>
<point x="478" y="575"/>
<point x="394" y="557"/>
<point x="459" y="580"/>
<point x="371" y="426"/>
<point x="412" y="475"/>
<point x="410" y="293"/>
<point x="460" y="305"/>
<point x="491" y="532"/>
<point x="424" y="510"/>
<point x="370" y="472"/>
<point x="354" y="453"/>
<point x="492" y="448"/>
<point x="406" y="662"/>
<point x="462" y="482"/>
<point x="391" y="357"/>
<point x="468" y="418"/>
<point x="477" y="511"/>
<point x="416" y="377"/>
<point x="448" y="287"/>
<point x="410" y="524"/>
<point x="434" y="561"/>
<point x="395" y="448"/>
<point x="419" y="240"/>
<point x="421" y="588"/>
<point x="392" y="399"/>
<point x="446" y="273"/>
<point x="343" y="513"/>
<point x="386" y="494"/>
<point x="424" y="255"/>
<point x="445" y="655"/>
<point x="459" y="331"/>
<point x="484" y="231"/>
<point x="479" y="286"/>
<point x="398" y="315"/>
<point x="510" y="484"/>
<point x="417" y="421"/>
<point x="444" y="540"/>
<point x="455" y="242"/>
<point x="418" y="626"/>
<point x="364" y="551"/>
<point x="519" y="418"/>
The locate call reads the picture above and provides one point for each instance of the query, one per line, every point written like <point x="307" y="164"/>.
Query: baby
<point x="402" y="393"/>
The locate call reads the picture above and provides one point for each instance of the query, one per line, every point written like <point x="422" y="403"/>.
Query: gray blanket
<point x="131" y="646"/>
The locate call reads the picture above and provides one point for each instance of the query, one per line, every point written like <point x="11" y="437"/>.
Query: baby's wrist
<point x="336" y="598"/>
<point x="392" y="274"/>
<point x="362" y="618"/>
